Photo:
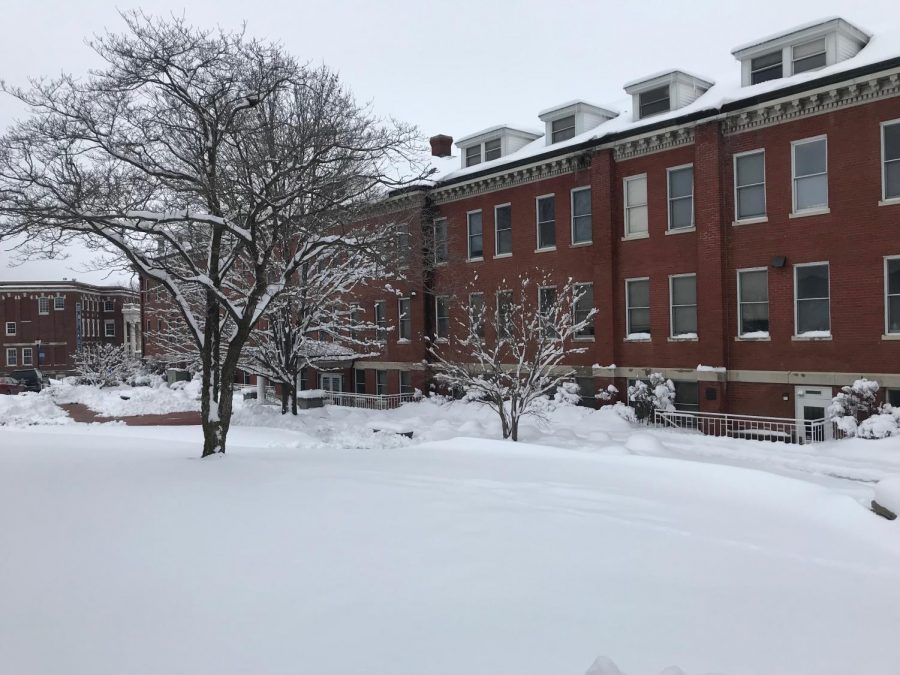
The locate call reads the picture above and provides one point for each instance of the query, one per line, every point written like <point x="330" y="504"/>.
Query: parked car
<point x="9" y="385"/>
<point x="32" y="378"/>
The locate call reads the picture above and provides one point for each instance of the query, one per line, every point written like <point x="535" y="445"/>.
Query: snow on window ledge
<point x="310" y="393"/>
<point x="809" y="212"/>
<point x="474" y="260"/>
<point x="757" y="335"/>
<point x="750" y="221"/>
<point x="636" y="235"/>
<point x="579" y="244"/>
<point x="637" y="337"/>
<point x="812" y="335"/>
<point x="684" y="337"/>
<point x="682" y="230"/>
<point x="546" y="249"/>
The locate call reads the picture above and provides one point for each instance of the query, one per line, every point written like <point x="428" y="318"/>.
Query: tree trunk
<point x="294" y="395"/>
<point x="285" y="392"/>
<point x="503" y="421"/>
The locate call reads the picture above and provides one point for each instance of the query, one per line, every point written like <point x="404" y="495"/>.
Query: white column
<point x="260" y="388"/>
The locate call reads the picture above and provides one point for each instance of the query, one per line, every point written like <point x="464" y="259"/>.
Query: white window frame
<point x="381" y="386"/>
<point x="555" y="132"/>
<point x="107" y="323"/>
<point x="14" y="361"/>
<point x="59" y="302"/>
<point x="444" y="239"/>
<point x="42" y="301"/>
<point x="811" y="264"/>
<point x="408" y="376"/>
<point x="628" y="207"/>
<point x="794" y="46"/>
<point x="109" y="306"/>
<point x="669" y="198"/>
<point x="380" y="317"/>
<point x="469" y="236"/>
<point x="740" y="327"/>
<point x="13" y="324"/>
<point x="538" y="221"/>
<point x="29" y="361"/>
<point x="466" y="163"/>
<point x="590" y="215"/>
<point x="401" y="320"/>
<point x="584" y="337"/>
<point x="887" y="296"/>
<point x="814" y="209"/>
<point x="628" y="330"/>
<point x="884" y="198"/>
<point x="696" y="305"/>
<point x="437" y="317"/>
<point x="497" y="253"/>
<point x="765" y="213"/>
<point x="484" y="149"/>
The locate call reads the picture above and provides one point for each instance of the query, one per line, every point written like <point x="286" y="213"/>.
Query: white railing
<point x="368" y="401"/>
<point x="751" y="427"/>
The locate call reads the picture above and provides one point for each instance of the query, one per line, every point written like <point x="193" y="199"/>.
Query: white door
<point x="331" y="383"/>
<point x="811" y="408"/>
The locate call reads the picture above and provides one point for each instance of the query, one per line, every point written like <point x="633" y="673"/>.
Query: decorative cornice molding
<point x="816" y="103"/>
<point x="664" y="140"/>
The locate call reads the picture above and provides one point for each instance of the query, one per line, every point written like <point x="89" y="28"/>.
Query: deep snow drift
<point x="122" y="553"/>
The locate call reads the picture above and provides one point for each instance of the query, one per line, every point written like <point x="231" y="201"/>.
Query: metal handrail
<point x="750" y="427"/>
<point x="368" y="401"/>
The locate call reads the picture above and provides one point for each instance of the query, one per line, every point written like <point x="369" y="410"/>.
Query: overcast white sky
<point x="448" y="67"/>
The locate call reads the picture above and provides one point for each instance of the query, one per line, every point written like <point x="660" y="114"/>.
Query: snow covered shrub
<point x="658" y="394"/>
<point x="853" y="404"/>
<point x="881" y="425"/>
<point x="608" y="395"/>
<point x="106" y="365"/>
<point x="567" y="393"/>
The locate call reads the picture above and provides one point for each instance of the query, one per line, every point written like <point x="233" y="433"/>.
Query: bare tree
<point x="514" y="369"/>
<point x="216" y="164"/>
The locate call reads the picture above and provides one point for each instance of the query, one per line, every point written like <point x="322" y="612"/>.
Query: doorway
<point x="811" y="407"/>
<point x="332" y="383"/>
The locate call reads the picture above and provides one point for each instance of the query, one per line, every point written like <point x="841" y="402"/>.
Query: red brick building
<point x="45" y="322"/>
<point x="743" y="238"/>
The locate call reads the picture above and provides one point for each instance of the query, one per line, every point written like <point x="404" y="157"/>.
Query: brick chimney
<point x="440" y="145"/>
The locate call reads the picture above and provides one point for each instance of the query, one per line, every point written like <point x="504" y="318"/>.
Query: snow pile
<point x="30" y="408"/>
<point x="122" y="401"/>
<point x="857" y="401"/>
<point x="887" y="493"/>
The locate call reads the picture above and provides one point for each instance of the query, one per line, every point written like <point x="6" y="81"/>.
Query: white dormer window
<point x="492" y="144"/>
<point x="799" y="50"/>
<point x="664" y="92"/>
<point x="567" y="120"/>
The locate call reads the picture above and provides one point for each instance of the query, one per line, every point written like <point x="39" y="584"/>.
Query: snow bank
<point x="29" y="408"/>
<point x="121" y="401"/>
<point x="887" y="493"/>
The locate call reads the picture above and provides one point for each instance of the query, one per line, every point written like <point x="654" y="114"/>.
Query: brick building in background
<point x="741" y="238"/>
<point x="42" y="323"/>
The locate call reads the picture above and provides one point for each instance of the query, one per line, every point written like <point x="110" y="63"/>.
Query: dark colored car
<point x="32" y="378"/>
<point x="9" y="385"/>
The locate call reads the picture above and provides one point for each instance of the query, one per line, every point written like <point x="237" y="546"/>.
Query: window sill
<point x="442" y="340"/>
<point x="581" y="244"/>
<point x="645" y="340"/>
<point x="891" y="336"/>
<point x="474" y="260"/>
<point x="502" y="255"/>
<point x="443" y="263"/>
<point x="675" y="338"/>
<point x="739" y="338"/>
<point x="750" y="221"/>
<point x="403" y="341"/>
<point x="548" y="249"/>
<point x="638" y="235"/>
<point x="810" y="212"/>
<point x="803" y="338"/>
<point x="583" y="338"/>
<point x="682" y="230"/>
<point x="893" y="201"/>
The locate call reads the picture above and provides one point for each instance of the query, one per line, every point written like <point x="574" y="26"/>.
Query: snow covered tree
<point x="657" y="394"/>
<point x="215" y="164"/>
<point x="105" y="364"/>
<point x="608" y="395"/>
<point x="513" y="369"/>
<point x="853" y="404"/>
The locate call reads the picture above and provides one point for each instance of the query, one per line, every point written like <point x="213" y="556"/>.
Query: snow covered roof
<point x="824" y="22"/>
<point x="496" y="129"/>
<point x="574" y="103"/>
<point x="633" y="84"/>
<point x="726" y="92"/>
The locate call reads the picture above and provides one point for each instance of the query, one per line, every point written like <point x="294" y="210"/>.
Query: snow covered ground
<point x="321" y="545"/>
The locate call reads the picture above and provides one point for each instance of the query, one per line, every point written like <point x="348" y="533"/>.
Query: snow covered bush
<point x="855" y="413"/>
<point x="881" y="425"/>
<point x="107" y="365"/>
<point x="658" y="394"/>
<point x="608" y="395"/>
<point x="567" y="393"/>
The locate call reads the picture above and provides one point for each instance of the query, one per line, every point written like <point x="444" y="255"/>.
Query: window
<point x="546" y="222"/>
<point x="404" y="309"/>
<point x="562" y="129"/>
<point x="359" y="380"/>
<point x="304" y="379"/>
<point x="654" y="101"/>
<point x="892" y="294"/>
<point x="381" y="382"/>
<point x="108" y="306"/>
<point x="59" y="302"/>
<point x="405" y="382"/>
<point x="587" y="388"/>
<point x="109" y="328"/>
<point x="681" y="197"/>
<point x="11" y="356"/>
<point x="504" y="313"/>
<point x="687" y="396"/>
<point x="637" y="308"/>
<point x="683" y="305"/>
<point x="441" y="318"/>
<point x="753" y="303"/>
<point x="354" y="321"/>
<point x="473" y="155"/>
<point x="476" y="240"/>
<point x="10" y="327"/>
<point x="380" y="322"/>
<point x="149" y="325"/>
<point x="492" y="150"/>
<point x="892" y="396"/>
<point x="581" y="215"/>
<point x="890" y="156"/>
<point x="809" y="56"/>
<point x="403" y="246"/>
<point x="750" y="185"/>
<point x="766" y="67"/>
<point x="27" y="359"/>
<point x="583" y="306"/>
<point x="810" y="174"/>
<point x="503" y="229"/>
<point x="636" y="205"/>
<point x="43" y="305"/>
<point x="440" y="240"/>
<point x="547" y="309"/>
<point x="476" y="313"/>
<point x="812" y="306"/>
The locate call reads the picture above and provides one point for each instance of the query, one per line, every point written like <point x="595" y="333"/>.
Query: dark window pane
<point x="684" y="290"/>
<point x="639" y="293"/>
<point x="681" y="182"/>
<point x="892" y="179"/>
<point x="681" y="213"/>
<point x="892" y="141"/>
<point x="812" y="282"/>
<point x="547" y="235"/>
<point x="654" y="101"/>
<point x="581" y="202"/>
<point x="813" y="315"/>
<point x="894" y="314"/>
<point x="893" y="397"/>
<point x="812" y="192"/>
<point x="504" y="242"/>
<point x="687" y="395"/>
<point x="562" y="129"/>
<point x="546" y="209"/>
<point x="492" y="150"/>
<point x="750" y="169"/>
<point x="893" y="271"/>
<point x="751" y="201"/>
<point x="473" y="155"/>
<point x="639" y="321"/>
<point x="755" y="317"/>
<point x="755" y="286"/>
<point x="684" y="320"/>
<point x="809" y="63"/>
<point x="809" y="158"/>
